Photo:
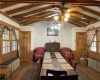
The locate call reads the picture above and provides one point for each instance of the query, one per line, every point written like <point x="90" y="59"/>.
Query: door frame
<point x="77" y="51"/>
<point x="29" y="46"/>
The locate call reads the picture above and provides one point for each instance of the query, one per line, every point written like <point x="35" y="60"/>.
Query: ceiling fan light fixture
<point x="65" y="19"/>
<point x="67" y="15"/>
<point x="59" y="24"/>
<point x="69" y="10"/>
<point x="56" y="18"/>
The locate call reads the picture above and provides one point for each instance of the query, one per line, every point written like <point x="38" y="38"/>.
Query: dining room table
<point x="55" y="61"/>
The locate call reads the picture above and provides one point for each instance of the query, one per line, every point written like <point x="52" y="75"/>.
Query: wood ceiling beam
<point x="42" y="18"/>
<point x="50" y="19"/>
<point x="8" y="17"/>
<point x="56" y="1"/>
<point x="32" y="12"/>
<point x="32" y="21"/>
<point x="74" y="23"/>
<point x="87" y="17"/>
<point x="7" y="4"/>
<point x="28" y="22"/>
<point x="85" y="3"/>
<point x="33" y="16"/>
<point x="46" y="15"/>
<point x="22" y="8"/>
<point x="83" y="20"/>
<point x="33" y="1"/>
<point x="90" y="11"/>
<point x="1" y="2"/>
<point x="82" y="24"/>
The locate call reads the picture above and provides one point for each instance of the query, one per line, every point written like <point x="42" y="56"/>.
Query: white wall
<point x="9" y="21"/>
<point x="40" y="35"/>
<point x="74" y="30"/>
<point x="29" y="28"/>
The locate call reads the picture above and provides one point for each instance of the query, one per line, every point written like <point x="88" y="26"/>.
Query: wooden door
<point x="25" y="44"/>
<point x="80" y="45"/>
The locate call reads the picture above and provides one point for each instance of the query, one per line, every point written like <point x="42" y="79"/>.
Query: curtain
<point x="90" y="36"/>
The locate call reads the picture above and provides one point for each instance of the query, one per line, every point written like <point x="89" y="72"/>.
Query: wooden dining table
<point x="58" y="63"/>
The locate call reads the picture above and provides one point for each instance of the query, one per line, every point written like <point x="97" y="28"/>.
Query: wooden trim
<point x="33" y="1"/>
<point x="94" y="55"/>
<point x="31" y="56"/>
<point x="9" y="25"/>
<point x="8" y="17"/>
<point x="55" y="1"/>
<point x="7" y="4"/>
<point x="0" y="46"/>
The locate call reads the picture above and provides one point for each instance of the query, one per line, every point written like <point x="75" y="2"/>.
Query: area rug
<point x="31" y="73"/>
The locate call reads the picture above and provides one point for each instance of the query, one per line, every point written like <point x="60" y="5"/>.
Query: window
<point x="6" y="41"/>
<point x="93" y="45"/>
<point x="14" y="43"/>
<point x="91" y="40"/>
<point x="98" y="42"/>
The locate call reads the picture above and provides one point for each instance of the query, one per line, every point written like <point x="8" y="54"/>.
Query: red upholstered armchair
<point x="39" y="52"/>
<point x="67" y="53"/>
<point x="64" y="49"/>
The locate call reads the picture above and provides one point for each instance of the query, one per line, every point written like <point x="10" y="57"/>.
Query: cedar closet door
<point x="25" y="43"/>
<point x="80" y="45"/>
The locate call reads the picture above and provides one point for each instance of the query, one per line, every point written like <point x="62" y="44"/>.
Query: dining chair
<point x="56" y="75"/>
<point x="39" y="53"/>
<point x="66" y="52"/>
<point x="73" y="64"/>
<point x="39" y="66"/>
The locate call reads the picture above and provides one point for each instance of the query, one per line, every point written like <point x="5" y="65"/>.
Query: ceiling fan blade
<point x="72" y="9"/>
<point x="76" y="15"/>
<point x="54" y="9"/>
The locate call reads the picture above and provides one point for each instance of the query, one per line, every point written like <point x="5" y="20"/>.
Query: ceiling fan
<point x="63" y="13"/>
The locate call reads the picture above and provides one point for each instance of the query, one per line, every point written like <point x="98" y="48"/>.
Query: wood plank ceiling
<point x="26" y="12"/>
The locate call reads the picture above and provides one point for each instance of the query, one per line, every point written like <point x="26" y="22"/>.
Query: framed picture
<point x="52" y="32"/>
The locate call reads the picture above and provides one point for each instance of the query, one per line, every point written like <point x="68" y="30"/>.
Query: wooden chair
<point x="73" y="64"/>
<point x="39" y="66"/>
<point x="56" y="75"/>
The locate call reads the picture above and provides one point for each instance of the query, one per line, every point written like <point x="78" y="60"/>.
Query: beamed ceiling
<point x="26" y="12"/>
